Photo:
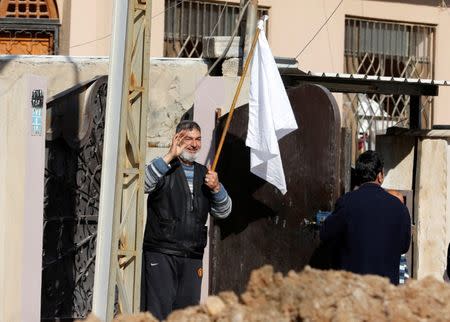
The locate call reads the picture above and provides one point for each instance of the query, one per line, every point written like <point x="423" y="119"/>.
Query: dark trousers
<point x="169" y="283"/>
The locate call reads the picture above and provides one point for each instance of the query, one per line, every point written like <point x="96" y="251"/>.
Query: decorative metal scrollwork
<point x="72" y="190"/>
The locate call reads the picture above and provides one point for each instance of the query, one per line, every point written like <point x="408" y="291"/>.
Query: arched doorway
<point x="29" y="27"/>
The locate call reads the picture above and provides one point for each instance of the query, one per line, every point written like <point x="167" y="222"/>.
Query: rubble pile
<point x="314" y="295"/>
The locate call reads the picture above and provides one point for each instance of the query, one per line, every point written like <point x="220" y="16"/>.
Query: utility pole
<point x="121" y="214"/>
<point x="250" y="27"/>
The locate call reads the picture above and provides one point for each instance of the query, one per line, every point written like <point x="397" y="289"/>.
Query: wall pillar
<point x="431" y="207"/>
<point x="22" y="162"/>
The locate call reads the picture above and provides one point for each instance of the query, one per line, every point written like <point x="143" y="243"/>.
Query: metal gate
<point x="266" y="227"/>
<point x="74" y="145"/>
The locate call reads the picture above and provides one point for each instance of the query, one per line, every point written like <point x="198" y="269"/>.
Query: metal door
<point x="266" y="227"/>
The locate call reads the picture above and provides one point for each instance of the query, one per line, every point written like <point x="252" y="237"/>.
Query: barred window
<point x="385" y="48"/>
<point x="187" y="22"/>
<point x="28" y="27"/>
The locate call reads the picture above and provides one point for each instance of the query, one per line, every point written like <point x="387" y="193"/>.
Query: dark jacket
<point x="371" y="229"/>
<point x="175" y="220"/>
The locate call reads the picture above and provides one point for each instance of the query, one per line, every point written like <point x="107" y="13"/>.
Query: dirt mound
<point x="314" y="295"/>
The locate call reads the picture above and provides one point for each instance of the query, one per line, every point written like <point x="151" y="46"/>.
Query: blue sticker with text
<point x="37" y="104"/>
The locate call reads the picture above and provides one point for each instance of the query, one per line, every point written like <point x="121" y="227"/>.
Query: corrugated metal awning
<point x="382" y="78"/>
<point x="359" y="83"/>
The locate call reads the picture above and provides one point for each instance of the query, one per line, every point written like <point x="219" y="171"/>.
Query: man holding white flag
<point x="270" y="114"/>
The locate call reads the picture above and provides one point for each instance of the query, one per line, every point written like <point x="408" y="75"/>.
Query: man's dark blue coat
<point x="370" y="229"/>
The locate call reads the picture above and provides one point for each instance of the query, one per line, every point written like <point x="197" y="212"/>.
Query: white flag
<point x="270" y="115"/>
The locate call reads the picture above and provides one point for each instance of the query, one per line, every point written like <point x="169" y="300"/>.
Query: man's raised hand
<point x="177" y="146"/>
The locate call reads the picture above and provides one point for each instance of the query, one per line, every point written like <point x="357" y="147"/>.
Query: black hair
<point x="368" y="166"/>
<point x="187" y="125"/>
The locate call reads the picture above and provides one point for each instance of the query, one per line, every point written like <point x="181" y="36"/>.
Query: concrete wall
<point x="61" y="72"/>
<point x="173" y="85"/>
<point x="431" y="186"/>
<point x="398" y="156"/>
<point x="430" y="203"/>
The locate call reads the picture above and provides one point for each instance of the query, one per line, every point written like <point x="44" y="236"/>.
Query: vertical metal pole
<point x="242" y="29"/>
<point x="109" y="163"/>
<point x="121" y="213"/>
<point x="252" y="20"/>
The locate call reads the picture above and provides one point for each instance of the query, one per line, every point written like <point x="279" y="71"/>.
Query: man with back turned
<point x="370" y="227"/>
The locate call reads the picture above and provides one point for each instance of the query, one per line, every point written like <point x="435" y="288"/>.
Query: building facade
<point x="395" y="38"/>
<point x="384" y="37"/>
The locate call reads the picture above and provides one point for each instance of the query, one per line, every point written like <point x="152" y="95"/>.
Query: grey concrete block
<point x="213" y="47"/>
<point x="230" y="67"/>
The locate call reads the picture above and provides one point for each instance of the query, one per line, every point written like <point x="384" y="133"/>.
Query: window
<point x="28" y="27"/>
<point x="187" y="22"/>
<point x="384" y="48"/>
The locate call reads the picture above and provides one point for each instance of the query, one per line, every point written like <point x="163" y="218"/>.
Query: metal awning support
<point x="357" y="83"/>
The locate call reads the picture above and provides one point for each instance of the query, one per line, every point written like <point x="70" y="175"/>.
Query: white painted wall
<point x="21" y="203"/>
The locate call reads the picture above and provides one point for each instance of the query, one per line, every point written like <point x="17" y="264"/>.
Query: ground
<point x="314" y="295"/>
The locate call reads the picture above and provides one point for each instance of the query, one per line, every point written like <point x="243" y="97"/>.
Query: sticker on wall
<point x="37" y="104"/>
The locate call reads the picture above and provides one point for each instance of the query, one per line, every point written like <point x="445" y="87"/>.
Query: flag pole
<point x="236" y="96"/>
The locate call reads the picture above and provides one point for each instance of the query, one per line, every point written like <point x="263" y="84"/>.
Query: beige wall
<point x="86" y="27"/>
<point x="90" y="29"/>
<point x="90" y="26"/>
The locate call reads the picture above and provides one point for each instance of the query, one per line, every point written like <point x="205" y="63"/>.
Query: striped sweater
<point x="220" y="201"/>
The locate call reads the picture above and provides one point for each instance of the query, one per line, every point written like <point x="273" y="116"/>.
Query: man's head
<point x="369" y="168"/>
<point x="192" y="138"/>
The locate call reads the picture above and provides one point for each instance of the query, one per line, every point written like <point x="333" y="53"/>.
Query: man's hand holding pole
<point x="212" y="180"/>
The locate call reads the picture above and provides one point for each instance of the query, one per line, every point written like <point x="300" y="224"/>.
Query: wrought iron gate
<point x="72" y="188"/>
